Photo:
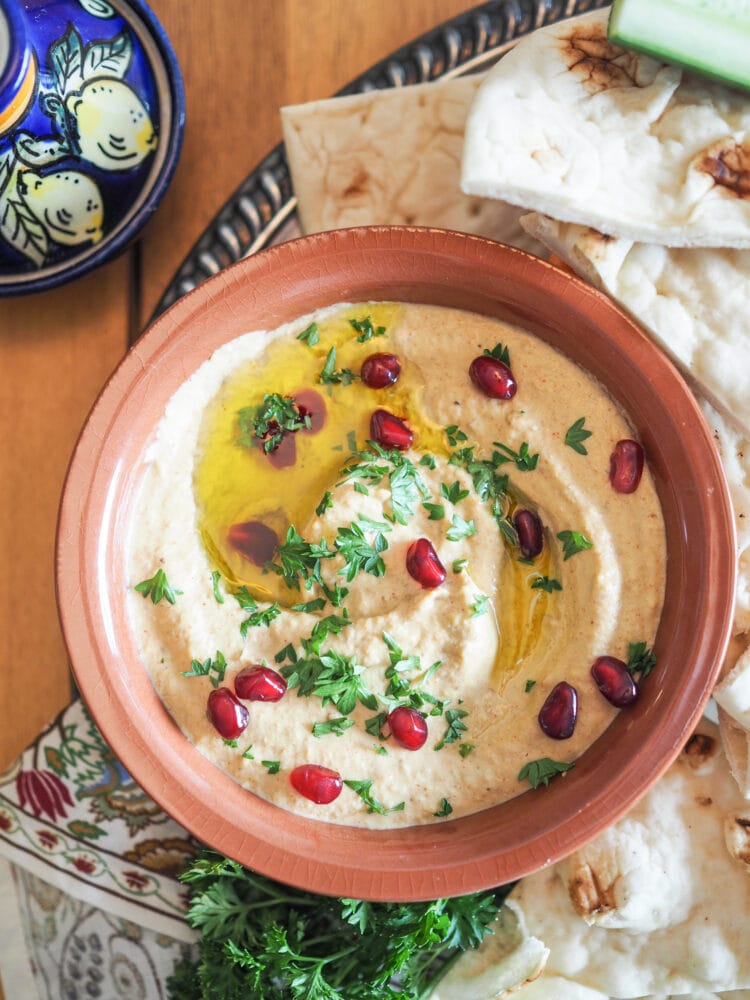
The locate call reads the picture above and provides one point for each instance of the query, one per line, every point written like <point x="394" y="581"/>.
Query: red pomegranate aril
<point x="493" y="377"/>
<point x="254" y="541"/>
<point x="317" y="783"/>
<point x="228" y="716"/>
<point x="408" y="727"/>
<point x="380" y="370"/>
<point x="559" y="712"/>
<point x="259" y="683"/>
<point x="614" y="680"/>
<point x="626" y="466"/>
<point x="390" y="431"/>
<point x="530" y="532"/>
<point x="423" y="564"/>
<point x="310" y="403"/>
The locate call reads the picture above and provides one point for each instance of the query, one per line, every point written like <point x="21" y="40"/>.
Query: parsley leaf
<point x="267" y="422"/>
<point x="366" y="330"/>
<point x="455" y="727"/>
<point x="308" y="606"/>
<point x="528" y="686"/>
<point x="641" y="659"/>
<point x="435" y="510"/>
<point x="454" y="435"/>
<point x="541" y="771"/>
<point x="465" y="749"/>
<point x="573" y="542"/>
<point x="336" y="726"/>
<point x="310" y="335"/>
<point x="158" y="586"/>
<point x="215" y="578"/>
<point x="500" y="352"/>
<point x="445" y="808"/>
<point x="374" y="464"/>
<point x="213" y="669"/>
<point x="325" y="504"/>
<point x="524" y="460"/>
<point x="272" y="766"/>
<point x="299" y="559"/>
<point x="459" y="564"/>
<point x="546" y="583"/>
<point x="428" y="461"/>
<point x="260" y="618"/>
<point x="359" y="555"/>
<point x="480" y="605"/>
<point x="453" y="493"/>
<point x="364" y="790"/>
<point x="334" y="678"/>
<point x="576" y="434"/>
<point x="461" y="529"/>
<point x="329" y="376"/>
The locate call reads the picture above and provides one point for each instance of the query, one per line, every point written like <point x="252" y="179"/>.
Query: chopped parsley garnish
<point x="335" y="726"/>
<point x="310" y="335"/>
<point x="308" y="606"/>
<point x="453" y="493"/>
<point x="230" y="743"/>
<point x="329" y="376"/>
<point x="364" y="790"/>
<point x="524" y="460"/>
<point x="444" y="809"/>
<point x="465" y="749"/>
<point x="546" y="583"/>
<point x="272" y="766"/>
<point x="460" y="529"/>
<point x="245" y="599"/>
<point x="158" y="586"/>
<point x="641" y="659"/>
<point x="215" y="578"/>
<point x="529" y="685"/>
<point x="267" y="423"/>
<point x="260" y="618"/>
<point x="576" y="434"/>
<point x="459" y="564"/>
<point x="366" y="330"/>
<point x="359" y="555"/>
<point x="379" y="749"/>
<point x="375" y="723"/>
<point x="325" y="504"/>
<point x="213" y="669"/>
<point x="248" y="753"/>
<point x="480" y="605"/>
<point x="435" y="510"/>
<point x="334" y="678"/>
<point x="299" y="559"/>
<point x="455" y="726"/>
<point x="454" y="435"/>
<point x="540" y="772"/>
<point x="428" y="461"/>
<point x="573" y="542"/>
<point x="374" y="464"/>
<point x="500" y="352"/>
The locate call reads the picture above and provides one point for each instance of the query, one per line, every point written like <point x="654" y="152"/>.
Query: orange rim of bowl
<point x="499" y="844"/>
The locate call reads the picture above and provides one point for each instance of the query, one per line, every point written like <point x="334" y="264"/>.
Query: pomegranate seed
<point x="626" y="466"/>
<point x="284" y="453"/>
<point x="317" y="783"/>
<point x="254" y="541"/>
<point x="493" y="377"/>
<point x="380" y="370"/>
<point x="259" y="683"/>
<point x="408" y="727"/>
<point x="228" y="716"/>
<point x="559" y="712"/>
<point x="423" y="564"/>
<point x="614" y="680"/>
<point x="390" y="431"/>
<point x="310" y="403"/>
<point x="528" y="524"/>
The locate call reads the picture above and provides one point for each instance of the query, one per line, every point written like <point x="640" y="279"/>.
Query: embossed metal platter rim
<point x="262" y="211"/>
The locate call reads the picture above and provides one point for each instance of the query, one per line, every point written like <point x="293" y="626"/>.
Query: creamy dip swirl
<point x="502" y="639"/>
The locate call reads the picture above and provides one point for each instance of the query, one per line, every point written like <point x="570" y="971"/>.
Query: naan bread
<point x="570" y="125"/>
<point x="678" y="927"/>
<point x="391" y="157"/>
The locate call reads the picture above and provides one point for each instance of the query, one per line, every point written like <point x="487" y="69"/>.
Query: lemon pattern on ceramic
<point x="98" y="122"/>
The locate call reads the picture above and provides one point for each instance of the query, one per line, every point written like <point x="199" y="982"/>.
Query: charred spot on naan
<point x="737" y="837"/>
<point x="587" y="894"/>
<point x="601" y="65"/>
<point x="727" y="162"/>
<point x="700" y="752"/>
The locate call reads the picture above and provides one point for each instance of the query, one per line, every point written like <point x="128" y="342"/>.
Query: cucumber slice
<point x="708" y="36"/>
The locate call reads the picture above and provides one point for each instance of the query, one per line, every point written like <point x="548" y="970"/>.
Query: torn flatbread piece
<point x="391" y="157"/>
<point x="695" y="303"/>
<point x="570" y="125"/>
<point x="681" y="931"/>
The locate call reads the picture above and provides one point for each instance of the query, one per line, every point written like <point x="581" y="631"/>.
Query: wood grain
<point x="241" y="60"/>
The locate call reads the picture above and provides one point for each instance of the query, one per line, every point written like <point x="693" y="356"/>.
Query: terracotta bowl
<point x="498" y="844"/>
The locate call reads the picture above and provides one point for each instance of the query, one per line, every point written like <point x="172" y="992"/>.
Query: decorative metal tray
<point x="262" y="211"/>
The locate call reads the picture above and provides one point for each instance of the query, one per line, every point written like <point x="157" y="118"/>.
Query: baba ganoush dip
<point x="376" y="554"/>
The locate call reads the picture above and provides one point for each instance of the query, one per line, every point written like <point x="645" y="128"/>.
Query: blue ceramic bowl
<point x="91" y="118"/>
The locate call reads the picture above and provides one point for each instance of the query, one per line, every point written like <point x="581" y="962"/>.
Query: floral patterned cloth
<point x="95" y="864"/>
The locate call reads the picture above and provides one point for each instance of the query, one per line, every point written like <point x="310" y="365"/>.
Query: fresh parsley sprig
<point x="573" y="542"/>
<point x="576" y="434"/>
<point x="366" y="330"/>
<point x="266" y="423"/>
<point x="641" y="659"/>
<point x="157" y="587"/>
<point x="541" y="771"/>
<point x="329" y="375"/>
<point x="523" y="459"/>
<point x="364" y="790"/>
<point x="214" y="669"/>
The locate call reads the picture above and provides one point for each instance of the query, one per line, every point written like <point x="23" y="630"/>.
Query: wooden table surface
<point x="241" y="60"/>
